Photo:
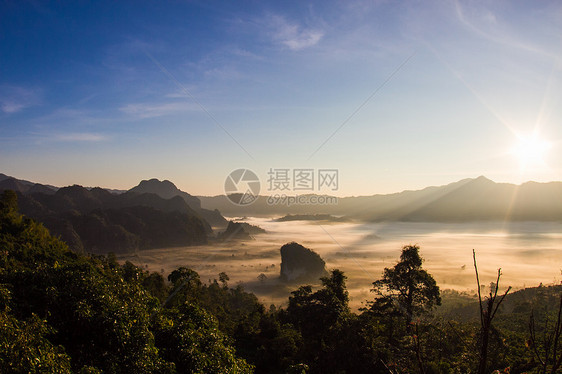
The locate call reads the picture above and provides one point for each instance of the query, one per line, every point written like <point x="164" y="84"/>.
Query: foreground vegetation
<point x="64" y="312"/>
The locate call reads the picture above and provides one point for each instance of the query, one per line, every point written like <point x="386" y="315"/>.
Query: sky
<point x="392" y="95"/>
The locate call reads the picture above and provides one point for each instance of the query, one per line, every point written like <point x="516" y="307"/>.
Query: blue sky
<point x="402" y="95"/>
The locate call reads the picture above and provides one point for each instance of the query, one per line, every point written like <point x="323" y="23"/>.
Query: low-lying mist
<point x="529" y="253"/>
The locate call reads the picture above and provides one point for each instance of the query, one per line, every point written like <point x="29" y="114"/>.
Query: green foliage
<point x="25" y="348"/>
<point x="189" y="337"/>
<point x="155" y="284"/>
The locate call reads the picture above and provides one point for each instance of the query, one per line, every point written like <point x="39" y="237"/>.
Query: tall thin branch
<point x="487" y="315"/>
<point x="478" y="287"/>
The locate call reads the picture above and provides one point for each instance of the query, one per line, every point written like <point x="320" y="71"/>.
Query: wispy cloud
<point x="14" y="99"/>
<point x="293" y="35"/>
<point x="484" y="23"/>
<point x="146" y="110"/>
<point x="240" y="52"/>
<point x="81" y="137"/>
<point x="223" y="73"/>
<point x="67" y="117"/>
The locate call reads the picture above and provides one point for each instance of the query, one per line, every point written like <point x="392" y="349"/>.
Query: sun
<point x="531" y="150"/>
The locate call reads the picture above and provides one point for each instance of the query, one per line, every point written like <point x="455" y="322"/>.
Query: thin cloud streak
<point x="81" y="137"/>
<point x="506" y="40"/>
<point x="14" y="99"/>
<point x="145" y="110"/>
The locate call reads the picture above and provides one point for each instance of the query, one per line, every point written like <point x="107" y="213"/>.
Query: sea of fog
<point x="528" y="253"/>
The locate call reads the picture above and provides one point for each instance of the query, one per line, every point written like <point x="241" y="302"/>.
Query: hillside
<point x="23" y="186"/>
<point x="98" y="221"/>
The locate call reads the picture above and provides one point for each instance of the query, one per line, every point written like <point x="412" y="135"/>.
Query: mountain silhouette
<point x="97" y="221"/>
<point x="23" y="186"/>
<point x="471" y="199"/>
<point x="167" y="190"/>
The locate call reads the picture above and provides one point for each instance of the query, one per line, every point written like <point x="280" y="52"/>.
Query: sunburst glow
<point x="531" y="150"/>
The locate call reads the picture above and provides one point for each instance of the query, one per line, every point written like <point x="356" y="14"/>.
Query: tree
<point x="186" y="285"/>
<point x="224" y="278"/>
<point x="325" y="307"/>
<point x="189" y="337"/>
<point x="184" y="276"/>
<point x="322" y="318"/>
<point x="406" y="287"/>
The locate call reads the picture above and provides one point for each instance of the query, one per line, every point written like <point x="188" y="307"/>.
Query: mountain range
<point x="157" y="214"/>
<point x="472" y="199"/>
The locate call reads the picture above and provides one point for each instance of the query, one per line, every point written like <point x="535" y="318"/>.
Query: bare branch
<point x="500" y="301"/>
<point x="478" y="287"/>
<point x="487" y="315"/>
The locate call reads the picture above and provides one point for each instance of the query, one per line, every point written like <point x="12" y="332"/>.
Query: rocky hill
<point x="299" y="263"/>
<point x="234" y="231"/>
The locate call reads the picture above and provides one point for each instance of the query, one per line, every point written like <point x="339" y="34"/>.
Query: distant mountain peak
<point x="157" y="182"/>
<point x="166" y="190"/>
<point x="480" y="181"/>
<point x="157" y="186"/>
<point x="483" y="179"/>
